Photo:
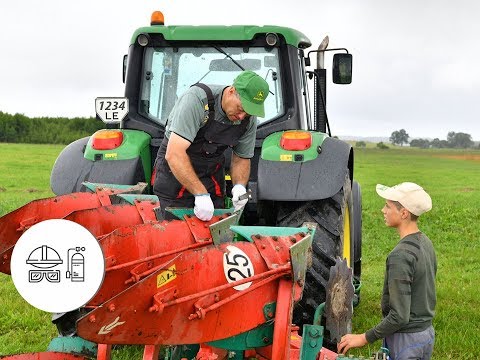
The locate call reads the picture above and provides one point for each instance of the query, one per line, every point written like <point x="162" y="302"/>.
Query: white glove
<point x="237" y="191"/>
<point x="203" y="207"/>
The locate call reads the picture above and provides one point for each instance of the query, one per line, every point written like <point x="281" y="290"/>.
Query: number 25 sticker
<point x="237" y="266"/>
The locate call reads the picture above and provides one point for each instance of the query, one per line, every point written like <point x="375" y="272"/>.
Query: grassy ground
<point x="451" y="178"/>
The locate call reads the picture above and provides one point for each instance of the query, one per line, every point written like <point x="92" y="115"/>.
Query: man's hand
<point x="237" y="191"/>
<point x="349" y="341"/>
<point x="203" y="207"/>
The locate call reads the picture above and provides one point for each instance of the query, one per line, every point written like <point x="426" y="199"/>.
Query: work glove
<point x="237" y="191"/>
<point x="203" y="208"/>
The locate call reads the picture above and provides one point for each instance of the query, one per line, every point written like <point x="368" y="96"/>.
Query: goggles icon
<point x="52" y="276"/>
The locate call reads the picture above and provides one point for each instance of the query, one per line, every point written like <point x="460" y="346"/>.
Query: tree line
<point x="457" y="140"/>
<point x="19" y="128"/>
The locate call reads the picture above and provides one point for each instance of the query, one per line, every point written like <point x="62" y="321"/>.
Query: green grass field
<point x="451" y="177"/>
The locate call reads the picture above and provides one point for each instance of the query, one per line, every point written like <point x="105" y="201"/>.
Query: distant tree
<point x="360" y="144"/>
<point x="382" y="146"/>
<point x="420" y="143"/>
<point x="399" y="137"/>
<point x="459" y="140"/>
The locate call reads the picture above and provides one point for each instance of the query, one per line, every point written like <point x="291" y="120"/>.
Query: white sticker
<point x="111" y="110"/>
<point x="237" y="266"/>
<point x="107" y="328"/>
<point x="57" y="265"/>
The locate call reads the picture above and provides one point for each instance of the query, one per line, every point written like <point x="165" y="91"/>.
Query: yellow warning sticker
<point x="286" y="157"/>
<point x="166" y="276"/>
<point x="111" y="156"/>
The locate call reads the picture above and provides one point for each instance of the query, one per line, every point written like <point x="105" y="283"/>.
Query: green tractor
<point x="300" y="173"/>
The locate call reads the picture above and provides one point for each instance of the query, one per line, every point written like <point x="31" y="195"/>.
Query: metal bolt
<point x="293" y="240"/>
<point x="314" y="332"/>
<point x="263" y="246"/>
<point x="111" y="307"/>
<point x="5" y="257"/>
<point x="275" y="238"/>
<point x="277" y="248"/>
<point x="91" y="318"/>
<point x="313" y="343"/>
<point x="270" y="314"/>
<point x="266" y="340"/>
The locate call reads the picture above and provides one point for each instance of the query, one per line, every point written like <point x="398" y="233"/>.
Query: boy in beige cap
<point x="409" y="298"/>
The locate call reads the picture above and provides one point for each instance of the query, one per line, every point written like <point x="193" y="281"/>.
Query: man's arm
<point x="179" y="162"/>
<point x="239" y="170"/>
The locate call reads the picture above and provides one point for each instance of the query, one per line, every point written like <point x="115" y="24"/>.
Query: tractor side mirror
<point x="342" y="68"/>
<point x="125" y="57"/>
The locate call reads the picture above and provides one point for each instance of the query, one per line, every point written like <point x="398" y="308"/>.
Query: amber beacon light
<point x="157" y="18"/>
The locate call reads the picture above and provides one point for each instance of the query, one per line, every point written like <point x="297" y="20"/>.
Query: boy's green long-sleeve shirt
<point x="409" y="297"/>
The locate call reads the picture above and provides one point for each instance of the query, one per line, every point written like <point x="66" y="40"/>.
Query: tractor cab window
<point x="169" y="72"/>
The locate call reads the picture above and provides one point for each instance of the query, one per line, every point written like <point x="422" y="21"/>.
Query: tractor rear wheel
<point x="335" y="218"/>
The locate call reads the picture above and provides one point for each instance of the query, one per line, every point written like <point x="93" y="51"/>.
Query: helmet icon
<point x="44" y="257"/>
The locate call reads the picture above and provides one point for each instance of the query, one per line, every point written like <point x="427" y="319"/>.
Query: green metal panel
<point x="135" y="144"/>
<point x="258" y="337"/>
<point x="181" y="212"/>
<point x="248" y="231"/>
<point x="226" y="33"/>
<point x="130" y="198"/>
<point x="73" y="345"/>
<point x="94" y="186"/>
<point x="271" y="149"/>
<point x="312" y="340"/>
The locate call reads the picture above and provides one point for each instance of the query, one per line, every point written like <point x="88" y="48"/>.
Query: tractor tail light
<point x="296" y="140"/>
<point x="107" y="139"/>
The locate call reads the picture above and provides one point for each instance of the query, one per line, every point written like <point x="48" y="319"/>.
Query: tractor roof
<point x="227" y="33"/>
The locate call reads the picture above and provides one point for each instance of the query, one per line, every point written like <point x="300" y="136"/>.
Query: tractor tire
<point x="337" y="221"/>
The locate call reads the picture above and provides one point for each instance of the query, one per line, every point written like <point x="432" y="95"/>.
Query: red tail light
<point x="296" y="140"/>
<point x="107" y="139"/>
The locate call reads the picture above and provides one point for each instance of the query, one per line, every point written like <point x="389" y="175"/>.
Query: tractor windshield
<point x="169" y="72"/>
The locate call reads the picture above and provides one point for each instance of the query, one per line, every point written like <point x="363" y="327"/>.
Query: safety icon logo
<point x="45" y="258"/>
<point x="57" y="265"/>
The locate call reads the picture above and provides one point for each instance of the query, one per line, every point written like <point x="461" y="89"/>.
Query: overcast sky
<point x="415" y="62"/>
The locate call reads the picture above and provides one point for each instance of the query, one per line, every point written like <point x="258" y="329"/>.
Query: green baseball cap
<point x="253" y="91"/>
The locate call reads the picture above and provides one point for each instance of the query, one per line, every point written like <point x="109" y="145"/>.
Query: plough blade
<point x="48" y="355"/>
<point x="92" y="210"/>
<point x="187" y="299"/>
<point x="132" y="253"/>
<point x="103" y="220"/>
<point x="13" y="224"/>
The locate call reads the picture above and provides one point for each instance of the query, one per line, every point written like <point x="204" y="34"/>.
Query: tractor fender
<point x="71" y="169"/>
<point x="316" y="179"/>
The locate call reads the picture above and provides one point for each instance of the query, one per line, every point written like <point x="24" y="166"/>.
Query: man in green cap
<point x="205" y="121"/>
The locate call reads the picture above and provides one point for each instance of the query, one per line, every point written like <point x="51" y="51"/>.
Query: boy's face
<point x="392" y="215"/>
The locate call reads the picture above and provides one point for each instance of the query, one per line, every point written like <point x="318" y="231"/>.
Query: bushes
<point x="22" y="129"/>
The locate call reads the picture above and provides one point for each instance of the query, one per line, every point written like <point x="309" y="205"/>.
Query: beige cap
<point x="410" y="195"/>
